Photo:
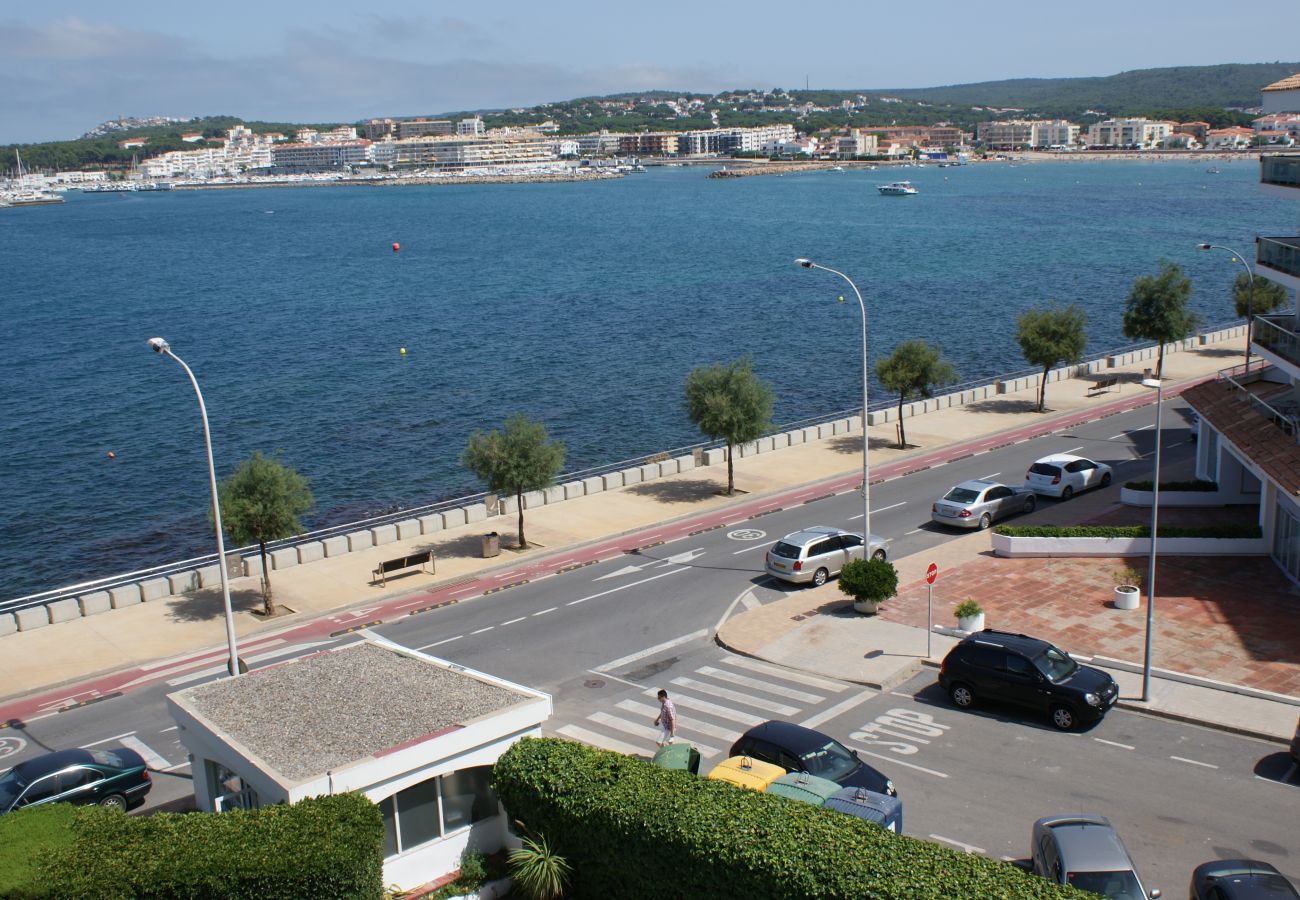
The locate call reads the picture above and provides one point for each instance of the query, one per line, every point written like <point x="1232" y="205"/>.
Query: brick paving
<point x="1234" y="619"/>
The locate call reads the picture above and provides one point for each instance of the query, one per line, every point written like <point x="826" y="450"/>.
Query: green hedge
<point x="322" y="847"/>
<point x="26" y="837"/>
<point x="632" y="830"/>
<point x="1196" y="486"/>
<point x="1130" y="531"/>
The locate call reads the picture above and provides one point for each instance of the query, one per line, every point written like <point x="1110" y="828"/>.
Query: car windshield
<point x="962" y="495"/>
<point x="1116" y="885"/>
<point x="1055" y="664"/>
<point x="10" y="788"/>
<point x="832" y="761"/>
<point x="1045" y="469"/>
<point x="789" y="551"/>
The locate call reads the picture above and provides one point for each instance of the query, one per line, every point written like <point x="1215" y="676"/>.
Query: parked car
<point x="798" y="749"/>
<point x="1063" y="475"/>
<point x="1026" y="671"/>
<point x="1240" y="879"/>
<point x="816" y="553"/>
<point x="116" y="777"/>
<point x="1084" y="851"/>
<point x="978" y="504"/>
<point x="1295" y="743"/>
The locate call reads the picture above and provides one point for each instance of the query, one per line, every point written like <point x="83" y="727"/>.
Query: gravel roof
<point x="321" y="712"/>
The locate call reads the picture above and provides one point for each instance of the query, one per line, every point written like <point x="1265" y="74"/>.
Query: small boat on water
<point x="1213" y="170"/>
<point x="27" y="196"/>
<point x="897" y="188"/>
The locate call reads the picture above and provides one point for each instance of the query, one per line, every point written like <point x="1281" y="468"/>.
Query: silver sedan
<point x="978" y="504"/>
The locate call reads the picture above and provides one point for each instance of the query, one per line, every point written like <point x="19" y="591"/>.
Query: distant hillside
<point x="1234" y="84"/>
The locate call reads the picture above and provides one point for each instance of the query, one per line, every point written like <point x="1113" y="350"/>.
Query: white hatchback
<point x="1064" y="475"/>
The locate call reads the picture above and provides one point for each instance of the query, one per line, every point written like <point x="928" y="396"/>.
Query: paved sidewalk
<point x="596" y="526"/>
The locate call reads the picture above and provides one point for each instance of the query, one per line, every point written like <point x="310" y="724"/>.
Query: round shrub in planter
<point x="1128" y="583"/>
<point x="970" y="618"/>
<point x="870" y="582"/>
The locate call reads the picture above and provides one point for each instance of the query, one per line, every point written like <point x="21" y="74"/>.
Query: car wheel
<point x="985" y="521"/>
<point x="1067" y="493"/>
<point x="114" y="801"/>
<point x="1030" y="502"/>
<point x="820" y="576"/>
<point x="1063" y="717"/>
<point x="879" y="554"/>
<point x="961" y="695"/>
<point x="1105" y="480"/>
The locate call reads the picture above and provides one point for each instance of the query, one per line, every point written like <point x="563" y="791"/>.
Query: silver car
<point x="816" y="553"/>
<point x="978" y="504"/>
<point x="1085" y="852"/>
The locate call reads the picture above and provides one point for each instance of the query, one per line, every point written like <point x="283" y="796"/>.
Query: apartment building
<point x="315" y="156"/>
<point x="602" y="143"/>
<point x="1278" y="123"/>
<point x="1129" y="133"/>
<point x="1196" y="130"/>
<point x="471" y="127"/>
<point x="1012" y="135"/>
<point x="650" y="143"/>
<point x="1228" y="138"/>
<point x="1055" y="133"/>
<point x="467" y="152"/>
<point x="1279" y="97"/>
<point x="857" y="143"/>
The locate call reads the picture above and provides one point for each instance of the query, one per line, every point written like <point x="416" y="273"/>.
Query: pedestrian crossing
<point x="716" y="703"/>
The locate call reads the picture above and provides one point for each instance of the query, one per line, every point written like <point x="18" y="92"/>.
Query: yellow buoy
<point x="402" y="351"/>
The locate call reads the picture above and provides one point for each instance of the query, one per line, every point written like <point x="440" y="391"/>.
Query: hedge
<point x="321" y="847"/>
<point x="632" y="830"/>
<point x="1197" y="486"/>
<point x="26" y="837"/>
<point x="1130" y="531"/>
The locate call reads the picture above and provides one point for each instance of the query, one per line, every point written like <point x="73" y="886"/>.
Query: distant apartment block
<point x="315" y="156"/>
<point x="1135" y="133"/>
<point x="472" y="126"/>
<point x="602" y="143"/>
<point x="1228" y="138"/>
<point x="1012" y="135"/>
<point x="650" y="143"/>
<point x="857" y="143"/>
<point x="1196" y="130"/>
<point x="1278" y="124"/>
<point x="474" y="152"/>
<point x="1055" y="133"/>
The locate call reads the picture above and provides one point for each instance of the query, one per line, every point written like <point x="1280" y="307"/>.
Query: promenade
<point x="603" y="525"/>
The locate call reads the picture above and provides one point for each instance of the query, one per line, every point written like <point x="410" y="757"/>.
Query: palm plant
<point x="537" y="870"/>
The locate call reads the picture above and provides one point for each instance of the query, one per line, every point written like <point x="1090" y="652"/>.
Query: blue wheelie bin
<point x="882" y="809"/>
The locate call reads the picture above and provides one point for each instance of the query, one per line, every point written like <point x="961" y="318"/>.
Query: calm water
<point x="583" y="305"/>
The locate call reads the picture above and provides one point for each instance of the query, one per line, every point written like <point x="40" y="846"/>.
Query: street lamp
<point x="866" y="467"/>
<point x="161" y="346"/>
<point x="1250" y="293"/>
<point x="1155" y="516"/>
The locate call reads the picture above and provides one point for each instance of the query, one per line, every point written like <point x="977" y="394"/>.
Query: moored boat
<point x="897" y="188"/>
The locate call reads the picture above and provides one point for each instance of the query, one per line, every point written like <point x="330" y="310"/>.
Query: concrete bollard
<point x="432" y="523"/>
<point x="93" y="604"/>
<point x="336" y="546"/>
<point x="686" y="463"/>
<point x="210" y="577"/>
<point x="554" y="494"/>
<point x="154" y="589"/>
<point x="533" y="499"/>
<point x="125" y="595"/>
<point x="453" y="518"/>
<point x="593" y="485"/>
<point x="311" y="551"/>
<point x="7" y="624"/>
<point x="183" y="582"/>
<point x="284" y="558"/>
<point x="407" y="529"/>
<point x="650" y="472"/>
<point x="667" y="467"/>
<point x="383" y="534"/>
<point x="632" y="476"/>
<point x="475" y="512"/>
<point x="715" y="457"/>
<point x="357" y="540"/>
<point x="64" y="610"/>
<point x="612" y="481"/>
<point x="32" y="618"/>
<point x="573" y="490"/>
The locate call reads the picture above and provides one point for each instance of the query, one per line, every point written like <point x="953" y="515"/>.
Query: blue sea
<point x="583" y="305"/>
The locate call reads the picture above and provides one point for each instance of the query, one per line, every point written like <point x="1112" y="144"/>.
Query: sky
<point x="67" y="65"/>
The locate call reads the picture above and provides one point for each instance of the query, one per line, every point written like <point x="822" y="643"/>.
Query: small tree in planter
<point x="870" y="582"/>
<point x="1128" y="583"/>
<point x="970" y="617"/>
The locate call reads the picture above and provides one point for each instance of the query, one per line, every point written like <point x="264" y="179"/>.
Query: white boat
<point x="897" y="187"/>
<point x="21" y="196"/>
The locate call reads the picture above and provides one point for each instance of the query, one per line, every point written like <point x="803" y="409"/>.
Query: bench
<point x="415" y="560"/>
<point x="1103" y="385"/>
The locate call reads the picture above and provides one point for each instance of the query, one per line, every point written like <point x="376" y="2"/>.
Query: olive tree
<point x="729" y="403"/>
<point x="1051" y="335"/>
<point x="261" y="502"/>
<point x="1156" y="309"/>
<point x="913" y="368"/>
<point x="517" y="459"/>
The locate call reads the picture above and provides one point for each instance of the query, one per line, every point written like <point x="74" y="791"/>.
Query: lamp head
<point x="158" y="344"/>
<point x="1203" y="247"/>
<point x="806" y="263"/>
<point x="1151" y="382"/>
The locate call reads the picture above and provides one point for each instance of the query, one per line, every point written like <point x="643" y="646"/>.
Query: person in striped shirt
<point x="666" y="720"/>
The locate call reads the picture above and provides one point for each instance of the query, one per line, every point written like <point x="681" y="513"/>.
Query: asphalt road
<point x="601" y="633"/>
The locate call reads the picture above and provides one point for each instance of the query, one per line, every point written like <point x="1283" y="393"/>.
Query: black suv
<point x="1015" y="668"/>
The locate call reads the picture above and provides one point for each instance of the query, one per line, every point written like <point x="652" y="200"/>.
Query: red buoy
<point x="396" y="246"/>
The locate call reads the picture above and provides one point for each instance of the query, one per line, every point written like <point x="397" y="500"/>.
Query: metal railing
<point x="1280" y="169"/>
<point x="1278" y="335"/>
<point x="1286" y="417"/>
<point x="1280" y="253"/>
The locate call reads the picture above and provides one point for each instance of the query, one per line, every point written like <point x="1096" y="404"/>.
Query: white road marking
<point x="1071" y="450"/>
<point x="542" y="612"/>
<point x="151" y="759"/>
<point x="481" y="630"/>
<point x="579" y="733"/>
<point x="749" y="548"/>
<point x="513" y="621"/>
<point x="465" y="590"/>
<point x="107" y="740"/>
<point x="914" y="531"/>
<point x="893" y="760"/>
<point x="647" y="732"/>
<point x="686" y="701"/>
<point x="989" y="477"/>
<point x="443" y="641"/>
<point x="651" y="651"/>
<point x="173" y="728"/>
<point x="615" y="677"/>
<point x="969" y="848"/>
<point x="1114" y="744"/>
<point x="179" y="765"/>
<point x="626" y="570"/>
<point x="736" y="696"/>
<point x="1194" y="762"/>
<point x="758" y="685"/>
<point x="1115" y="437"/>
<point x="827" y="714"/>
<point x="1145" y="427"/>
<point x="816" y="681"/>
<point x="749" y="601"/>
<point x="649" y="711"/>
<point x="624" y="587"/>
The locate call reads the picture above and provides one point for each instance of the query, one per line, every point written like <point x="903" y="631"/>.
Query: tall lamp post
<point x="866" y="467"/>
<point x="1250" y="293"/>
<point x="1155" y="517"/>
<point x="161" y="346"/>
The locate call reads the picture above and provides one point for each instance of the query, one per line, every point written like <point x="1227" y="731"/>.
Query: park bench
<point x="1103" y="385"/>
<point x="415" y="560"/>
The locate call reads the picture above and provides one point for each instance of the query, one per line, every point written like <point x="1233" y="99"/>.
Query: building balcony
<point x="1278" y="259"/>
<point x="1280" y="170"/>
<point x="1258" y="416"/>
<point x="1277" y="339"/>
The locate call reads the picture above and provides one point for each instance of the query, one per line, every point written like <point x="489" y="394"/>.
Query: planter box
<point x="1019" y="547"/>
<point x="1131" y="497"/>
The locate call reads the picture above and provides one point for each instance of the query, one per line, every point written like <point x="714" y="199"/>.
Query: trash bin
<point x="885" y="811"/>
<point x="804" y="787"/>
<point x="491" y="545"/>
<point x="679" y="756"/>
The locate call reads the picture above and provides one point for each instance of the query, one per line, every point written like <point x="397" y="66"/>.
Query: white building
<point x="1056" y="133"/>
<point x="857" y="143"/>
<point x="471" y="127"/>
<point x="1132" y="133"/>
<point x="415" y="734"/>
<point x="1282" y="96"/>
<point x="1228" y="138"/>
<point x="807" y="146"/>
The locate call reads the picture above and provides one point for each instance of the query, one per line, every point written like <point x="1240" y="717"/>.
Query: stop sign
<point x="931" y="573"/>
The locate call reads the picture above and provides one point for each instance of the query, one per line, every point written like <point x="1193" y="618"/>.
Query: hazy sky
<point x="66" y="65"/>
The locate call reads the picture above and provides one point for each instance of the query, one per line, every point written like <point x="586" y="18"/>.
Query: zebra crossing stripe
<point x="686" y="701"/>
<point x="642" y="731"/>
<point x="763" y="668"/>
<point x="691" y="725"/>
<point x="736" y="696"/>
<point x="578" y="733"/>
<point x="758" y="685"/>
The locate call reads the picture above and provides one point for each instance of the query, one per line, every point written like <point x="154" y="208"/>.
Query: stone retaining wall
<point x="207" y="578"/>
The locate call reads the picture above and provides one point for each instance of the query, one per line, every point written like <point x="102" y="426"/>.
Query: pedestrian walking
<point x="666" y="720"/>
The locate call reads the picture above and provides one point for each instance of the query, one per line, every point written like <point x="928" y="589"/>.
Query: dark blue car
<point x="115" y="777"/>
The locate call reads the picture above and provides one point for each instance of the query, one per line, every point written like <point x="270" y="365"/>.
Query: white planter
<point x="1126" y="597"/>
<point x="1131" y="497"/>
<point x="1016" y="547"/>
<point x="867" y="607"/>
<point x="971" y="624"/>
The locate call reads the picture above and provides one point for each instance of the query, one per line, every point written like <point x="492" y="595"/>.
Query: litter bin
<point x="491" y="545"/>
<point x="679" y="756"/>
<point x="885" y="811"/>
